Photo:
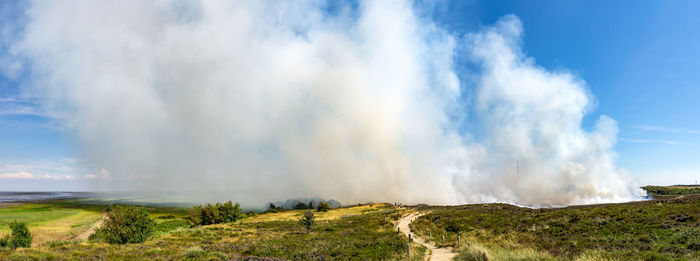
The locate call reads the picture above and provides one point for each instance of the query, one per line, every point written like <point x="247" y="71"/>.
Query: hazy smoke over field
<point x="265" y="100"/>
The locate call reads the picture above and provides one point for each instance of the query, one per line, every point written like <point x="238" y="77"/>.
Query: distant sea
<point x="6" y="196"/>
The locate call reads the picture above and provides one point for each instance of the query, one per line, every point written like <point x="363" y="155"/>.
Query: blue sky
<point x="640" y="60"/>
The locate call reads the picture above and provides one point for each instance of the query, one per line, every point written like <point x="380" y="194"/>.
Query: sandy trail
<point x="436" y="253"/>
<point x="85" y="235"/>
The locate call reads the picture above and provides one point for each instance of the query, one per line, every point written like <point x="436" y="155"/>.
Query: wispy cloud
<point x="666" y="129"/>
<point x="669" y="142"/>
<point x="18" y="175"/>
<point x="46" y="170"/>
<point x="27" y="175"/>
<point x="19" y="106"/>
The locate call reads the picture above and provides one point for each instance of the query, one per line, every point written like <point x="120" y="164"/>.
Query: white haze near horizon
<point x="264" y="100"/>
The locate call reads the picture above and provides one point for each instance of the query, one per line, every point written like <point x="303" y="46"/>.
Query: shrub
<point x="300" y="205"/>
<point x="20" y="236"/>
<point x="215" y="214"/>
<point x="126" y="224"/>
<point x="323" y="207"/>
<point x="229" y="212"/>
<point x="210" y="214"/>
<point x="307" y="220"/>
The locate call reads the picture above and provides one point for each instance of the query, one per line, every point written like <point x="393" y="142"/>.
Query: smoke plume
<point x="260" y="101"/>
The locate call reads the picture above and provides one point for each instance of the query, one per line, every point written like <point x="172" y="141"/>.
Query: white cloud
<point x="27" y="175"/>
<point x="18" y="175"/>
<point x="103" y="174"/>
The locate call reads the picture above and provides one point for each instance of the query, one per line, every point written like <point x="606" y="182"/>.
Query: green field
<point x="60" y="220"/>
<point x="661" y="229"/>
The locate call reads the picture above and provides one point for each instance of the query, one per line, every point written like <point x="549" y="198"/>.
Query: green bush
<point x="20" y="236"/>
<point x="126" y="224"/>
<point x="230" y="212"/>
<point x="215" y="214"/>
<point x="323" y="207"/>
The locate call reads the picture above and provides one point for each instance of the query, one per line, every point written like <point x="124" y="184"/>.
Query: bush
<point x="300" y="205"/>
<point x="323" y="207"/>
<point x="126" y="224"/>
<point x="20" y="236"/>
<point x="307" y="220"/>
<point x="210" y="214"/>
<point x="230" y="212"/>
<point x="215" y="214"/>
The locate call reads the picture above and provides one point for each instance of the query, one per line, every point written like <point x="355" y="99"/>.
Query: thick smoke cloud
<point x="265" y="100"/>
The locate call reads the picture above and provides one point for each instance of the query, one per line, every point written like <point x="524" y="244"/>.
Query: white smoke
<point x="262" y="100"/>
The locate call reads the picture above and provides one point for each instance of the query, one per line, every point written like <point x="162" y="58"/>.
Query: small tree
<point x="323" y="207"/>
<point x="307" y="220"/>
<point x="127" y="224"/>
<point x="311" y="205"/>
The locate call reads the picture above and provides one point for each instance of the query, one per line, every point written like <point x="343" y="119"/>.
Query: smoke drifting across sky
<point x="263" y="100"/>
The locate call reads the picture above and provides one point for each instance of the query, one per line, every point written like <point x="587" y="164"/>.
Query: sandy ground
<point x="436" y="253"/>
<point x="85" y="235"/>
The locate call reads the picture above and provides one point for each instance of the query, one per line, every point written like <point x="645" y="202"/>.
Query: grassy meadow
<point x="50" y="221"/>
<point x="667" y="228"/>
<point x="359" y="233"/>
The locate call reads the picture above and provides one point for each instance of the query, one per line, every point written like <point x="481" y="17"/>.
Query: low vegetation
<point x="350" y="234"/>
<point x="125" y="224"/>
<point x="668" y="228"/>
<point x="661" y="229"/>
<point x="672" y="190"/>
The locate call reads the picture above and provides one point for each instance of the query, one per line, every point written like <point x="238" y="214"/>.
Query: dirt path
<point x="85" y="235"/>
<point x="436" y="253"/>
